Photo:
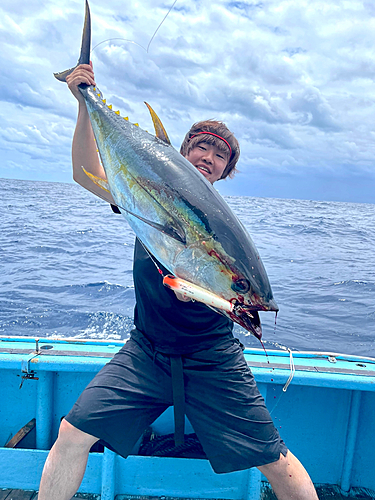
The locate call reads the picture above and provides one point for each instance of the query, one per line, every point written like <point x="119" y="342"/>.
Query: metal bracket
<point x="25" y="365"/>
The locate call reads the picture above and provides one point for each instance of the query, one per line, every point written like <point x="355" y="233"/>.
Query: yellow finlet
<point x="126" y="118"/>
<point x="136" y="124"/>
<point x="102" y="183"/>
<point x="104" y="101"/>
<point x="160" y="131"/>
<point x="110" y="106"/>
<point x="117" y="112"/>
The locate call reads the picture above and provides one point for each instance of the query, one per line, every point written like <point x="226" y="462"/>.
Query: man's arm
<point x="84" y="150"/>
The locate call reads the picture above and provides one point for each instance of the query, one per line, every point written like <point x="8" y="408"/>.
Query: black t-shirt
<point x="173" y="326"/>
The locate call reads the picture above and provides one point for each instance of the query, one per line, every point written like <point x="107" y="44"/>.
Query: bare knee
<point x="277" y="467"/>
<point x="286" y="467"/>
<point x="289" y="479"/>
<point x="73" y="437"/>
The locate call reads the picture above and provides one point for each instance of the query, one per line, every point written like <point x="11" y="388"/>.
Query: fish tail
<point x="84" y="57"/>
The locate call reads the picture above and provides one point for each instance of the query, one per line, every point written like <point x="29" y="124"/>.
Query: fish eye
<point x="241" y="286"/>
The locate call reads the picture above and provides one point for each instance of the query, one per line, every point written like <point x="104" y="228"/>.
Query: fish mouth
<point x="248" y="319"/>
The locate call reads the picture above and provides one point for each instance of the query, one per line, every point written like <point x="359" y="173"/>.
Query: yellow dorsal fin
<point x="160" y="131"/>
<point x="102" y="183"/>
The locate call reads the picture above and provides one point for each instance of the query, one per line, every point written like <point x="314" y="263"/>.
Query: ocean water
<point x="66" y="268"/>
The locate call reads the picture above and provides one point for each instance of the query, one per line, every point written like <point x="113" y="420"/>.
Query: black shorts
<point x="223" y="403"/>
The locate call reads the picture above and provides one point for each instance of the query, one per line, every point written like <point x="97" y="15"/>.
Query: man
<point x="222" y="401"/>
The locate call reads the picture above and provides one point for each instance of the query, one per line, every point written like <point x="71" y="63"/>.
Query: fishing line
<point x="136" y="43"/>
<point x="165" y="17"/>
<point x="151" y="256"/>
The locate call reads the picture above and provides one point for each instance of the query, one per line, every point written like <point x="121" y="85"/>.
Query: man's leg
<point x="289" y="479"/>
<point x="65" y="464"/>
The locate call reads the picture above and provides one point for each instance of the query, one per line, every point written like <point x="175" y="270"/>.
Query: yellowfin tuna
<point x="176" y="213"/>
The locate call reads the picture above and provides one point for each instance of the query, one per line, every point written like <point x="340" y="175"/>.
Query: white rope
<point x="292" y="371"/>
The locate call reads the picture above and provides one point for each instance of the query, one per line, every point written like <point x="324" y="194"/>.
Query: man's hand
<point x="181" y="297"/>
<point x="82" y="74"/>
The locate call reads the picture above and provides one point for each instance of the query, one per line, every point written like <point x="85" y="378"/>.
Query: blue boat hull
<point x="325" y="417"/>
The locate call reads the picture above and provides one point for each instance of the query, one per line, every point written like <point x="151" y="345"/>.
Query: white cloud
<point x="293" y="79"/>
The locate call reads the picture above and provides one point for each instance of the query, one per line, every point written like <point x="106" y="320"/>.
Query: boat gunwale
<point x="247" y="350"/>
<point x="310" y="368"/>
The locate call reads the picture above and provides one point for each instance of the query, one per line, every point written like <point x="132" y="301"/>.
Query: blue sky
<point x="293" y="79"/>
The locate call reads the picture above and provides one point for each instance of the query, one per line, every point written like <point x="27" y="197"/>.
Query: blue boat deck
<point x="331" y="493"/>
<point x="324" y="493"/>
<point x="322" y="403"/>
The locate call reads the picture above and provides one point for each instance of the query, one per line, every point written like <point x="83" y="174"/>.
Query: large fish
<point x="175" y="212"/>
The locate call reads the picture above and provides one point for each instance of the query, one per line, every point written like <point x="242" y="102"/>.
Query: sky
<point x="293" y="79"/>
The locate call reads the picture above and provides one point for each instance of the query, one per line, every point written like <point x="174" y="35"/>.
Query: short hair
<point x="220" y="129"/>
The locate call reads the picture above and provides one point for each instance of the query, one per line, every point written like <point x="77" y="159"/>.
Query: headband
<point x="222" y="138"/>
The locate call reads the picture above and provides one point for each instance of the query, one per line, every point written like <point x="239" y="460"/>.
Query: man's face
<point x="209" y="160"/>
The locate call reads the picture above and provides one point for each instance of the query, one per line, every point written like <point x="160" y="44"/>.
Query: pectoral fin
<point x="160" y="131"/>
<point x="171" y="227"/>
<point x="171" y="230"/>
<point x="102" y="183"/>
